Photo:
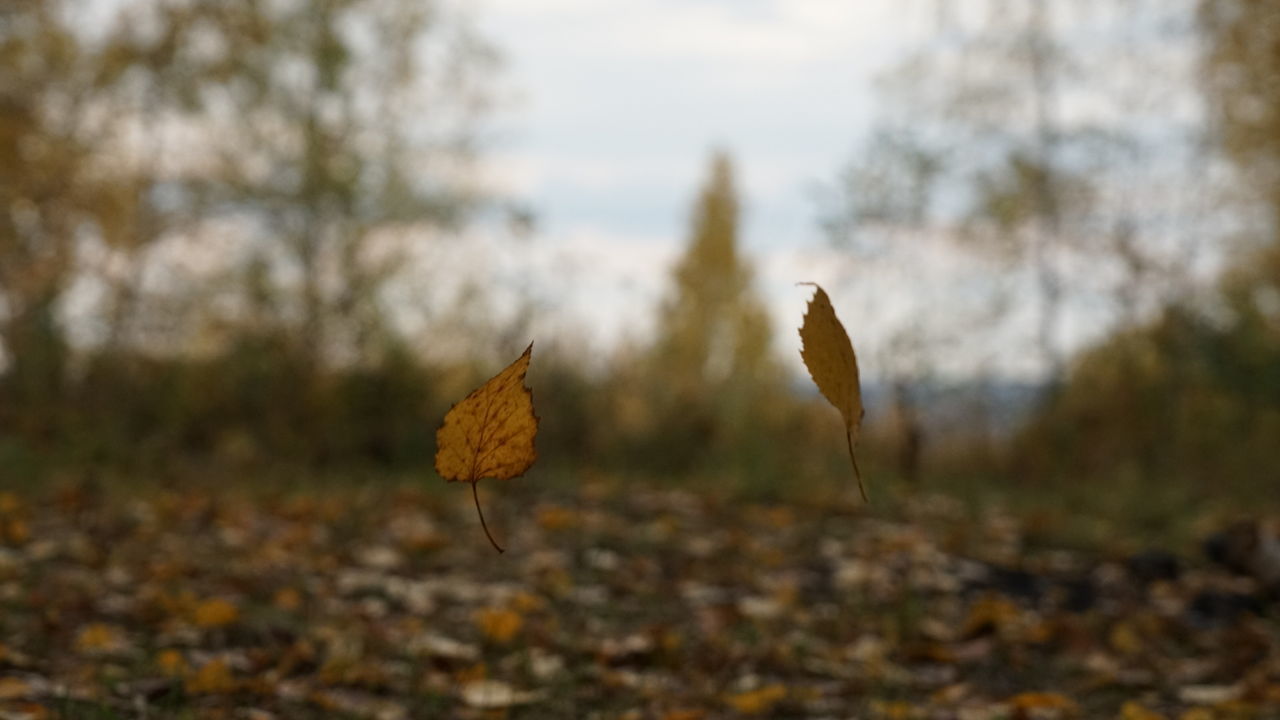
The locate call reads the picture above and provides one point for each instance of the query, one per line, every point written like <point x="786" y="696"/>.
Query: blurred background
<point x="281" y="237"/>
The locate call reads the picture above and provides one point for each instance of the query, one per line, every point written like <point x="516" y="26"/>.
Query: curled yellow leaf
<point x="490" y="434"/>
<point x="828" y="354"/>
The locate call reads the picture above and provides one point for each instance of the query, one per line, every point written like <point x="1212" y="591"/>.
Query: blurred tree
<point x="1242" y="69"/>
<point x="223" y="192"/>
<point x="1031" y="135"/>
<point x="713" y="329"/>
<point x="1191" y="399"/>
<point x="48" y="193"/>
<point x="332" y="134"/>
<point x="712" y="355"/>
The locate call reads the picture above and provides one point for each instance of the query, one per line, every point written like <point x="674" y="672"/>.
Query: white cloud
<point x="624" y="99"/>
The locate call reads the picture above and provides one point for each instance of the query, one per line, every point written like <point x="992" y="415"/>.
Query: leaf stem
<point x="475" y="495"/>
<point x="848" y="436"/>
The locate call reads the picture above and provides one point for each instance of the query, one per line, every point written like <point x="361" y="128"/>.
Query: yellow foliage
<point x="828" y="354"/>
<point x="755" y="702"/>
<point x="12" y="688"/>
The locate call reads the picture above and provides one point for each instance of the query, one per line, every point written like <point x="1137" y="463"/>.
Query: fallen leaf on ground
<point x="1042" y="704"/>
<point x="100" y="638"/>
<point x="499" y="625"/>
<point x="1209" y="694"/>
<point x="495" y="694"/>
<point x="754" y="702"/>
<point x="1134" y="710"/>
<point x="212" y="677"/>
<point x="215" y="613"/>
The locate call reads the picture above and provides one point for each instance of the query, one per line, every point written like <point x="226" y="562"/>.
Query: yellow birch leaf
<point x="828" y="354"/>
<point x="490" y="433"/>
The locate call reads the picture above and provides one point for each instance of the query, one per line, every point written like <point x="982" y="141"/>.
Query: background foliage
<point x="210" y="209"/>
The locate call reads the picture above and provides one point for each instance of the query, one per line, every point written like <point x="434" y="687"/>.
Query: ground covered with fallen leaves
<point x="609" y="603"/>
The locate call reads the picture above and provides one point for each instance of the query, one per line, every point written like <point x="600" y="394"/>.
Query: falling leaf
<point x="828" y="353"/>
<point x="490" y="433"/>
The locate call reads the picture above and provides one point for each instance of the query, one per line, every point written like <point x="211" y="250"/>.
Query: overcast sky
<point x="614" y="107"/>
<point x="619" y="103"/>
<point x="617" y="106"/>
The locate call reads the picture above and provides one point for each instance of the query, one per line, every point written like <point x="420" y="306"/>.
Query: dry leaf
<point x="1134" y="710"/>
<point x="215" y="613"/>
<point x="755" y="702"/>
<point x="171" y="663"/>
<point x="495" y="694"/>
<point x="499" y="625"/>
<point x="12" y="688"/>
<point x="101" y="638"/>
<point x="828" y="353"/>
<point x="1209" y="694"/>
<point x="1049" y="704"/>
<point x="490" y="433"/>
<point x="212" y="678"/>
